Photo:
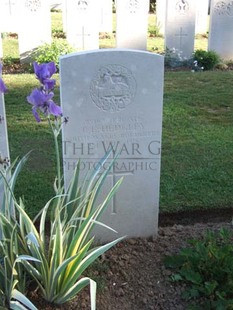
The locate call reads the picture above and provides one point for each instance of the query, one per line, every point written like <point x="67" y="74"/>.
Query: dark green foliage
<point x="113" y="6"/>
<point x="206" y="59"/>
<point x="58" y="34"/>
<point x="153" y="31"/>
<point x="52" y="52"/>
<point x="152" y="6"/>
<point x="207" y="267"/>
<point x="9" y="60"/>
<point x="6" y="35"/>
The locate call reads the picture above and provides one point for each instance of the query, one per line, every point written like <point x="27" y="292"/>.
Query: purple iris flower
<point x="49" y="84"/>
<point x="43" y="101"/>
<point x="44" y="71"/>
<point x="3" y="87"/>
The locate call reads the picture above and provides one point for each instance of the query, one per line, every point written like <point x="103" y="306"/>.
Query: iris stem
<point x="55" y="135"/>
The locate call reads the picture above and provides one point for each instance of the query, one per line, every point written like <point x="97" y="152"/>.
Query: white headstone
<point x="64" y="15"/>
<point x="9" y="15"/>
<point x="161" y="15"/>
<point x="180" y="26"/>
<point x="105" y="16"/>
<point x="4" y="148"/>
<point x="202" y="16"/>
<point x="113" y="99"/>
<point x="132" y="23"/>
<point x="221" y="28"/>
<point x="35" y="30"/>
<point x="82" y="24"/>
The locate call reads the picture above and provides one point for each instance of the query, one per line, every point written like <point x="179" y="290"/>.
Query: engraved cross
<point x="83" y="35"/>
<point x="181" y="35"/>
<point x="102" y="16"/>
<point x="10" y="3"/>
<point x="114" y="174"/>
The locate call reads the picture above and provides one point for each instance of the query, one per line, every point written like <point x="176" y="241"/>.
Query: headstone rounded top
<point x="113" y="88"/>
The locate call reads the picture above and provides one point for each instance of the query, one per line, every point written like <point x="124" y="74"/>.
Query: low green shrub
<point x="153" y="31"/>
<point x="51" y="52"/>
<point x="5" y="35"/>
<point x="152" y="6"/>
<point x="58" y="34"/>
<point x="206" y="59"/>
<point x="173" y="58"/>
<point x="9" y="60"/>
<point x="207" y="269"/>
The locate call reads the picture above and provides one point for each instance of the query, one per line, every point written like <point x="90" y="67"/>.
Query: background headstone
<point x="35" y="28"/>
<point x="105" y="16"/>
<point x="4" y="148"/>
<point x="132" y="23"/>
<point x="202" y="16"/>
<point x="9" y="18"/>
<point x="221" y="28"/>
<point x="161" y="15"/>
<point x="64" y="15"/>
<point x="9" y="15"/>
<point x="180" y="26"/>
<point x="83" y="23"/>
<point x="114" y="99"/>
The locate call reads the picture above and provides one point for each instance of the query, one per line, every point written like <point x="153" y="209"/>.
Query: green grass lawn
<point x="197" y="141"/>
<point x="197" y="147"/>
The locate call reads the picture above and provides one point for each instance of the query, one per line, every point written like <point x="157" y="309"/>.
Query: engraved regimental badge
<point x="82" y="5"/>
<point x="134" y="6"/>
<point x="182" y="7"/>
<point x="224" y="8"/>
<point x="33" y="5"/>
<point x="113" y="89"/>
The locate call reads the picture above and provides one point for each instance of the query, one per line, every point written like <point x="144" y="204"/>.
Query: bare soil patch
<point x="132" y="276"/>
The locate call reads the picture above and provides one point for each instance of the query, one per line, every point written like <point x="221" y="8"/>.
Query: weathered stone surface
<point x="113" y="99"/>
<point x="202" y="16"/>
<point x="132" y="24"/>
<point x="180" y="26"/>
<point x="35" y="29"/>
<point x="82" y="20"/>
<point x="221" y="28"/>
